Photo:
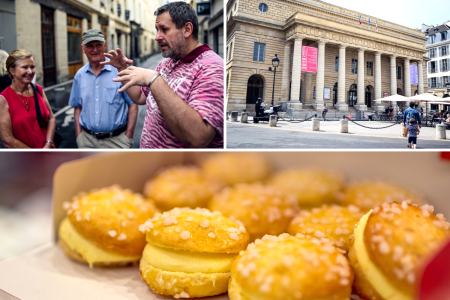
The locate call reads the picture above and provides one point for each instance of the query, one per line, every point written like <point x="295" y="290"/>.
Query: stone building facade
<point x="356" y="63"/>
<point x="52" y="29"/>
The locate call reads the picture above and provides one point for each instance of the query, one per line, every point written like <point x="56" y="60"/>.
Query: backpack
<point x="410" y="115"/>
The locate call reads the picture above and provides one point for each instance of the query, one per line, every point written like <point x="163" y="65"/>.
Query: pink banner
<point x="309" y="59"/>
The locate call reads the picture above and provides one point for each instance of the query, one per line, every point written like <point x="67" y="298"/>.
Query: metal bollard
<point x="440" y="132"/>
<point x="244" y="117"/>
<point x="273" y="121"/>
<point x="315" y="126"/>
<point x="234" y="116"/>
<point x="343" y="126"/>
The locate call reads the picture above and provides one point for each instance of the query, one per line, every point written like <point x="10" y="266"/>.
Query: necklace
<point x="26" y="103"/>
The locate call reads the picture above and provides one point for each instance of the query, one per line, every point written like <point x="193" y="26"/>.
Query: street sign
<point x="203" y="9"/>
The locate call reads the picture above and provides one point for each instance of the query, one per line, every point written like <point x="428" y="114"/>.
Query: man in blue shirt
<point x="410" y="113"/>
<point x="104" y="117"/>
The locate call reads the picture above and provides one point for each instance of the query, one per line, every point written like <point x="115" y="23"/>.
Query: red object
<point x="309" y="59"/>
<point x="434" y="281"/>
<point x="349" y="116"/>
<point x="445" y="155"/>
<point x="24" y="123"/>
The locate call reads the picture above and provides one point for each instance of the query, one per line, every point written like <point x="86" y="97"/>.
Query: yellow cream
<point x="185" y="261"/>
<point x="91" y="253"/>
<point x="380" y="283"/>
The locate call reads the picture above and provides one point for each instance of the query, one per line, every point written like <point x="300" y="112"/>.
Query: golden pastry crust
<point x="182" y="186"/>
<point x="181" y="284"/>
<point x="80" y="259"/>
<point x="398" y="236"/>
<point x="311" y="187"/>
<point x="263" y="209"/>
<point x="109" y="218"/>
<point x="334" y="222"/>
<point x="196" y="230"/>
<point x="234" y="168"/>
<point x="368" y="194"/>
<point x="287" y="267"/>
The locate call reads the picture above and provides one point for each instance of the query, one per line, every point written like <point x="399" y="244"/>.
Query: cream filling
<point x="244" y="295"/>
<point x="376" y="278"/>
<point x="91" y="253"/>
<point x="185" y="261"/>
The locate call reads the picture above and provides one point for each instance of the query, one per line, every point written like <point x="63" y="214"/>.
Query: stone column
<point x="378" y="105"/>
<point x="308" y="88"/>
<point x="285" y="77"/>
<point x="320" y="79"/>
<point x="62" y="61"/>
<point x="360" y="95"/>
<point x="420" y="89"/>
<point x="407" y="78"/>
<point x="296" y="74"/>
<point x="341" y="105"/>
<point x="377" y="75"/>
<point x="393" y="75"/>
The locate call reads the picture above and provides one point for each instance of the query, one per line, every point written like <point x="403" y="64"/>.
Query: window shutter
<point x="429" y="80"/>
<point x="255" y="52"/>
<point x="440" y="65"/>
<point x="446" y="52"/>
<point x="429" y="67"/>
<point x="261" y="52"/>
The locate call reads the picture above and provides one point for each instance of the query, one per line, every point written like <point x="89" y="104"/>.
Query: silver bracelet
<point x="153" y="79"/>
<point x="50" y="142"/>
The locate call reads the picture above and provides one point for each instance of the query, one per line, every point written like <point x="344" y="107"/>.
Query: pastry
<point x="190" y="251"/>
<point x="368" y="194"/>
<point x="101" y="227"/>
<point x="263" y="209"/>
<point x="234" y="168"/>
<point x="181" y="186"/>
<point x="389" y="246"/>
<point x="311" y="187"/>
<point x="290" y="268"/>
<point x="334" y="222"/>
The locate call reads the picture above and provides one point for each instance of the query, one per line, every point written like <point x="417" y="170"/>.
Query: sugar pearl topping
<point x="321" y="255"/>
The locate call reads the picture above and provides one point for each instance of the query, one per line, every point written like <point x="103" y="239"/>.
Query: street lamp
<point x="275" y="64"/>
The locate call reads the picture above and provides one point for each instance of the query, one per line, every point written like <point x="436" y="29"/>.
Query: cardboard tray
<point x="46" y="273"/>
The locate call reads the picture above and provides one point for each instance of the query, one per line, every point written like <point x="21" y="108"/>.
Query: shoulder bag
<point x="57" y="138"/>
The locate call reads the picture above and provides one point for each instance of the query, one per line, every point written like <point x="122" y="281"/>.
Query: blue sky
<point x="410" y="13"/>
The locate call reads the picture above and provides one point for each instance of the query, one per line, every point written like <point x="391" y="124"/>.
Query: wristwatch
<point x="51" y="143"/>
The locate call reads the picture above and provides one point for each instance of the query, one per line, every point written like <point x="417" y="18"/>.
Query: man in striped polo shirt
<point x="184" y="95"/>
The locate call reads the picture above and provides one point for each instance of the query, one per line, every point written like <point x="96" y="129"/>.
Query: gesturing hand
<point x="134" y="76"/>
<point x="117" y="60"/>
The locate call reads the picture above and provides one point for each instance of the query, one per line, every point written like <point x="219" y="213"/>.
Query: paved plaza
<point x="294" y="135"/>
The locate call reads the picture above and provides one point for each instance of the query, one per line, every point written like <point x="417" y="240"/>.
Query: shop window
<point x="74" y="32"/>
<point x="258" y="52"/>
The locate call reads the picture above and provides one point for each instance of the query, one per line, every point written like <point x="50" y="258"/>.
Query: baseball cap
<point x="92" y="35"/>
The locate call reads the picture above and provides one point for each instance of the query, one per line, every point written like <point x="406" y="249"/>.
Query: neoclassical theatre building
<point x="356" y="64"/>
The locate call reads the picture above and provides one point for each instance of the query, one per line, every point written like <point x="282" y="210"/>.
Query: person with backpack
<point x="412" y="113"/>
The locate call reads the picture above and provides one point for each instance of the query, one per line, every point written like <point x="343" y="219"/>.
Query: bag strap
<point x="40" y="119"/>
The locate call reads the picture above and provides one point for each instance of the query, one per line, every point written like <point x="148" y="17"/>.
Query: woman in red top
<point x="19" y="127"/>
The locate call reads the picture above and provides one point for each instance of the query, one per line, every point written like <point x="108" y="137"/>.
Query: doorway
<point x="255" y="88"/>
<point x="335" y="90"/>
<point x="48" y="46"/>
<point x="368" y="96"/>
<point x="352" y="95"/>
